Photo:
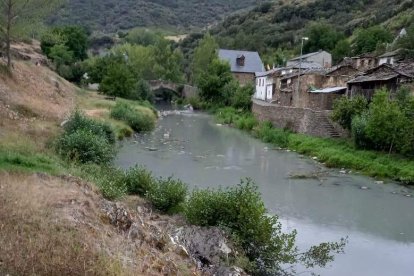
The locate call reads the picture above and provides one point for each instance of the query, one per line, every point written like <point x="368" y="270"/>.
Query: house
<point x="243" y="64"/>
<point x="323" y="58"/>
<point x="339" y="75"/>
<point x="389" y="57"/>
<point x="362" y="62"/>
<point x="385" y="75"/>
<point x="289" y="95"/>
<point x="266" y="83"/>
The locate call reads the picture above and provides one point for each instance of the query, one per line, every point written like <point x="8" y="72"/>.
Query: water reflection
<point x="378" y="220"/>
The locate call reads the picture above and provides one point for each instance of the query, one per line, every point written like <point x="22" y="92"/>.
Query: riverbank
<point x="335" y="153"/>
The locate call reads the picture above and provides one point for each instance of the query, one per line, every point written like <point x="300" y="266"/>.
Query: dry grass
<point x="55" y="226"/>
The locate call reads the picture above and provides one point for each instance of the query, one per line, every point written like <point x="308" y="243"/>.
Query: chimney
<point x="240" y="60"/>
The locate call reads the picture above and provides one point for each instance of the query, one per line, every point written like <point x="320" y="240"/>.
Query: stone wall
<point x="300" y="120"/>
<point x="245" y="78"/>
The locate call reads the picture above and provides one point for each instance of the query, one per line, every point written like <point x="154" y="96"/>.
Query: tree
<point x="118" y="81"/>
<point x="344" y="110"/>
<point x="385" y="122"/>
<point x="213" y="80"/>
<point x="367" y="40"/>
<point x="204" y="54"/>
<point x="342" y="49"/>
<point x="16" y="17"/>
<point x="407" y="44"/>
<point x="322" y="36"/>
<point x="74" y="38"/>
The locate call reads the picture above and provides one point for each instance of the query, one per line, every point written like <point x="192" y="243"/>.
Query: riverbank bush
<point x="241" y="211"/>
<point x="138" y="181"/>
<point x="86" y="140"/>
<point x="167" y="195"/>
<point x="135" y="118"/>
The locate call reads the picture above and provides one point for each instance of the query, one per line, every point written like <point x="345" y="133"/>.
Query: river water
<point x="377" y="218"/>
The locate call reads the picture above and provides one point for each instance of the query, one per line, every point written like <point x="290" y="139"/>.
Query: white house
<point x="261" y="84"/>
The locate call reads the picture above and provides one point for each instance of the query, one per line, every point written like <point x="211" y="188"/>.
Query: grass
<point x="335" y="153"/>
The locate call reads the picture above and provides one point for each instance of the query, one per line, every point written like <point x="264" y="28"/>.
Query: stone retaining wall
<point x="300" y="120"/>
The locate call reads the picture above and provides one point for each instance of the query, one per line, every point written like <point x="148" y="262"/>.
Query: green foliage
<point x="86" y="140"/>
<point x="144" y="92"/>
<point x="61" y="55"/>
<point x="138" y="181"/>
<point x="386" y="122"/>
<point x="212" y="81"/>
<point x="322" y="36"/>
<point x="118" y="81"/>
<point x="167" y="195"/>
<point x="79" y="121"/>
<point x="246" y="122"/>
<point x="406" y="43"/>
<point x="367" y="40"/>
<point x="144" y="37"/>
<point x="276" y="136"/>
<point x="204" y="54"/>
<point x="241" y="210"/>
<point x="73" y="38"/>
<point x="242" y="97"/>
<point x="342" y="49"/>
<point x="359" y="134"/>
<point x="344" y="110"/>
<point x="85" y="146"/>
<point x="135" y="118"/>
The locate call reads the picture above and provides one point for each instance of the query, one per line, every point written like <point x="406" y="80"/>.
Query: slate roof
<point x="306" y="65"/>
<point x="390" y="54"/>
<point x="316" y="71"/>
<point x="306" y="56"/>
<point x="252" y="62"/>
<point x="388" y="72"/>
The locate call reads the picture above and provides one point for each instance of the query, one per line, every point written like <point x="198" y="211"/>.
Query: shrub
<point x="85" y="146"/>
<point x="227" y="115"/>
<point x="344" y="110"/>
<point x="137" y="120"/>
<point x="247" y="122"/>
<point x="359" y="125"/>
<point x="167" y="195"/>
<point x="79" y="121"/>
<point x="276" y="136"/>
<point x="241" y="210"/>
<point x="138" y="181"/>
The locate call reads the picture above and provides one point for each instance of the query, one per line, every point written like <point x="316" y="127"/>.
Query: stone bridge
<point x="181" y="90"/>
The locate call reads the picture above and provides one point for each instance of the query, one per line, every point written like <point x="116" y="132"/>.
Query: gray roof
<point x="306" y="55"/>
<point x="306" y="65"/>
<point x="252" y="62"/>
<point x="390" y="54"/>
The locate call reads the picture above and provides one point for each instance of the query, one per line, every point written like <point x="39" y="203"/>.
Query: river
<point x="377" y="218"/>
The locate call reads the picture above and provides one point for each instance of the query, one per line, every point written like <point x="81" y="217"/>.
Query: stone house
<point x="339" y="75"/>
<point x="362" y="62"/>
<point x="323" y="58"/>
<point x="385" y="75"/>
<point x="389" y="57"/>
<point x="243" y="64"/>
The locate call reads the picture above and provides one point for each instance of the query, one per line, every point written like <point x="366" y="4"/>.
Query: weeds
<point x="135" y="118"/>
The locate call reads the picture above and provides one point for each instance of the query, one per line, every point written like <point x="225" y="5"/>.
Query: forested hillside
<point x="114" y="15"/>
<point x="279" y="24"/>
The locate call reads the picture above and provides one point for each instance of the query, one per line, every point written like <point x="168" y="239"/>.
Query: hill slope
<point x="114" y="15"/>
<point x="280" y="23"/>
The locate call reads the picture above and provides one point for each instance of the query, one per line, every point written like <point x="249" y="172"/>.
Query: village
<point x="300" y="95"/>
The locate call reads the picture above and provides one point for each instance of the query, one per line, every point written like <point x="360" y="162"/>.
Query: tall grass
<point x="138" y="119"/>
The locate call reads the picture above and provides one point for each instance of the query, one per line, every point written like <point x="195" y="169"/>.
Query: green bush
<point x="167" y="195"/>
<point x="247" y="122"/>
<point x="85" y="146"/>
<point x="359" y="125"/>
<point x="276" y="136"/>
<point x="344" y="110"/>
<point x="137" y="120"/>
<point x="79" y="121"/>
<point x="138" y="181"/>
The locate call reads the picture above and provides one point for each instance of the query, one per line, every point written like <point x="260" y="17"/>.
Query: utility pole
<point x="300" y="63"/>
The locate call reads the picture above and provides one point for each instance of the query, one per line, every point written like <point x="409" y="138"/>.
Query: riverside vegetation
<point x="382" y="143"/>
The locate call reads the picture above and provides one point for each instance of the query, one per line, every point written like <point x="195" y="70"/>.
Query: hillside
<point x="280" y="23"/>
<point x="114" y="15"/>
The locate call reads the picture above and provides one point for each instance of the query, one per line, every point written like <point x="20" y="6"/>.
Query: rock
<point x="287" y="150"/>
<point x="408" y="195"/>
<point x="208" y="245"/>
<point x="379" y="182"/>
<point x="364" y="188"/>
<point x="151" y="149"/>
<point x="314" y="158"/>
<point x="342" y="171"/>
<point x="219" y="124"/>
<point x="118" y="216"/>
<point x="265" y="148"/>
<point x="180" y="250"/>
